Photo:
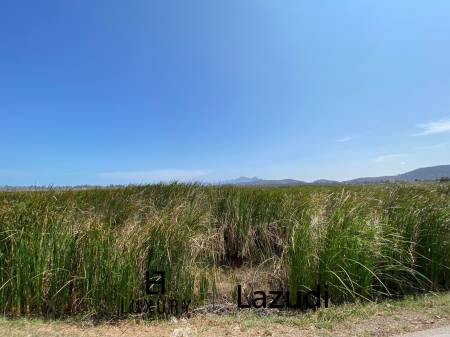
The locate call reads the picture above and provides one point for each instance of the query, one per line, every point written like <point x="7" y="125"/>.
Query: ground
<point x="382" y="319"/>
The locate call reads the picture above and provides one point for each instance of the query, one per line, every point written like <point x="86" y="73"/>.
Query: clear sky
<point x="100" y="92"/>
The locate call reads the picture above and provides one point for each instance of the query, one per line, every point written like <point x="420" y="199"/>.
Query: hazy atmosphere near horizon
<point x="224" y="168"/>
<point x="110" y="92"/>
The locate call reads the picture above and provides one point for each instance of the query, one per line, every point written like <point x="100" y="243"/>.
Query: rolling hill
<point x="421" y="174"/>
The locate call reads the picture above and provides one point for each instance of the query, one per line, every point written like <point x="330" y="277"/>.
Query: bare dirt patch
<point x="383" y="319"/>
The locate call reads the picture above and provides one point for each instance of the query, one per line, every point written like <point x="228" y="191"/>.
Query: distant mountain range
<point x="422" y="174"/>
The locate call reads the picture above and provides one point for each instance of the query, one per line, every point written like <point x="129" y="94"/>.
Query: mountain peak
<point x="431" y="173"/>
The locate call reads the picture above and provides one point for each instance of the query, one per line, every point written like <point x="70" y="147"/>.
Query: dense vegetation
<point x="84" y="251"/>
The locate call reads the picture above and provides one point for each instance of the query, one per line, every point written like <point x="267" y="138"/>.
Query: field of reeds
<point x="83" y="252"/>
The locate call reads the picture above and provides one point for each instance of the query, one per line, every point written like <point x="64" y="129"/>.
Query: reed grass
<point x="84" y="251"/>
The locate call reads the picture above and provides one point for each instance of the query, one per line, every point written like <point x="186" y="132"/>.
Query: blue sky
<point x="100" y="92"/>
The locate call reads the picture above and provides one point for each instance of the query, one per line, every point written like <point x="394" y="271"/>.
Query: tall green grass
<point x="86" y="251"/>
